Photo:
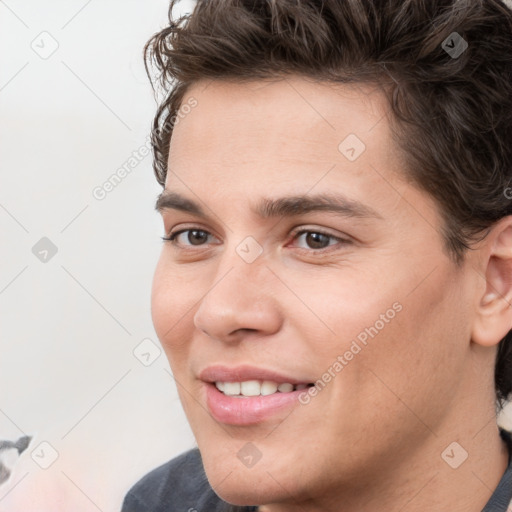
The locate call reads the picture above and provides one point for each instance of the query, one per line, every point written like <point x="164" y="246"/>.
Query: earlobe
<point x="493" y="318"/>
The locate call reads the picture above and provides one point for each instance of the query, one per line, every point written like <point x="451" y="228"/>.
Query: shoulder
<point x="178" y="485"/>
<point x="502" y="496"/>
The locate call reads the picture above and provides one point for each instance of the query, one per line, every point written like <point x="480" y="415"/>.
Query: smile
<point x="247" y="395"/>
<point x="251" y="388"/>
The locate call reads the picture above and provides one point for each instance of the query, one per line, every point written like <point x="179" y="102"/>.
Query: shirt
<point x="180" y="485"/>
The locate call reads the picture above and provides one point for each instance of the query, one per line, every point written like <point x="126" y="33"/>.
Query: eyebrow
<point x="174" y="201"/>
<point x="288" y="206"/>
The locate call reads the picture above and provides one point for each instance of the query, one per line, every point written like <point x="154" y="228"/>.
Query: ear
<point x="493" y="318"/>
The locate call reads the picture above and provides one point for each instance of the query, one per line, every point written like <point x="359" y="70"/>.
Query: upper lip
<point x="221" y="373"/>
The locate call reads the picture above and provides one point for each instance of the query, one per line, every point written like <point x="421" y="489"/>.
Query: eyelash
<point x="172" y="238"/>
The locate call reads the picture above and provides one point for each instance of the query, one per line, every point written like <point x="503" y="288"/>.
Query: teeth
<point x="268" y="387"/>
<point x="285" y="387"/>
<point x="231" y="388"/>
<point x="256" y="388"/>
<point x="250" y="388"/>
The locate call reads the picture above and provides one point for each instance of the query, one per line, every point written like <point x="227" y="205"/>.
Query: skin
<point x="372" y="439"/>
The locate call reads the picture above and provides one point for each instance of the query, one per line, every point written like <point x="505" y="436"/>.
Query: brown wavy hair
<point x="452" y="115"/>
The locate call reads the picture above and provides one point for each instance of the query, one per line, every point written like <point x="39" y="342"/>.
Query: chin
<point x="249" y="493"/>
<point x="239" y="485"/>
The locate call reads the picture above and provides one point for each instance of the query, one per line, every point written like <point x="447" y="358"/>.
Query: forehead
<point x="294" y="120"/>
<point x="246" y="141"/>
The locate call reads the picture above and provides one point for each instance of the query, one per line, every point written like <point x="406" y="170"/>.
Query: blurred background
<point x="81" y="369"/>
<point x="80" y="365"/>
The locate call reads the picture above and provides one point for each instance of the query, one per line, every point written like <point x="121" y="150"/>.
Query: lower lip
<point x="247" y="410"/>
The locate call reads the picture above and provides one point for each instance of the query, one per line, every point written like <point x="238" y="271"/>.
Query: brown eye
<point x="189" y="237"/>
<point x="317" y="240"/>
<point x="197" y="237"/>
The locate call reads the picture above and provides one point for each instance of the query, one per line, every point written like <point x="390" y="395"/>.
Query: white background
<point x="69" y="326"/>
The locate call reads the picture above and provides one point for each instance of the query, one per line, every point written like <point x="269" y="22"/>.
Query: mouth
<point x="251" y="388"/>
<point x="248" y="395"/>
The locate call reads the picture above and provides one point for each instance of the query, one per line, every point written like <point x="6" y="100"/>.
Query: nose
<point x="240" y="301"/>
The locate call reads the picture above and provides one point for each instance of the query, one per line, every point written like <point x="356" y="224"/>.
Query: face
<point x="300" y="255"/>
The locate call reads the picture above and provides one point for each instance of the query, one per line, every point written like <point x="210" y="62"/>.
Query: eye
<point x="317" y="240"/>
<point x="188" y="237"/>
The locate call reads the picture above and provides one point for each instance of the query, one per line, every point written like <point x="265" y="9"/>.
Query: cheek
<point x="404" y="339"/>
<point x="172" y="305"/>
<point x="337" y="309"/>
<point x="421" y="352"/>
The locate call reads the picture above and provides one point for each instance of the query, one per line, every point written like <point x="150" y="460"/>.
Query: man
<point x="335" y="287"/>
